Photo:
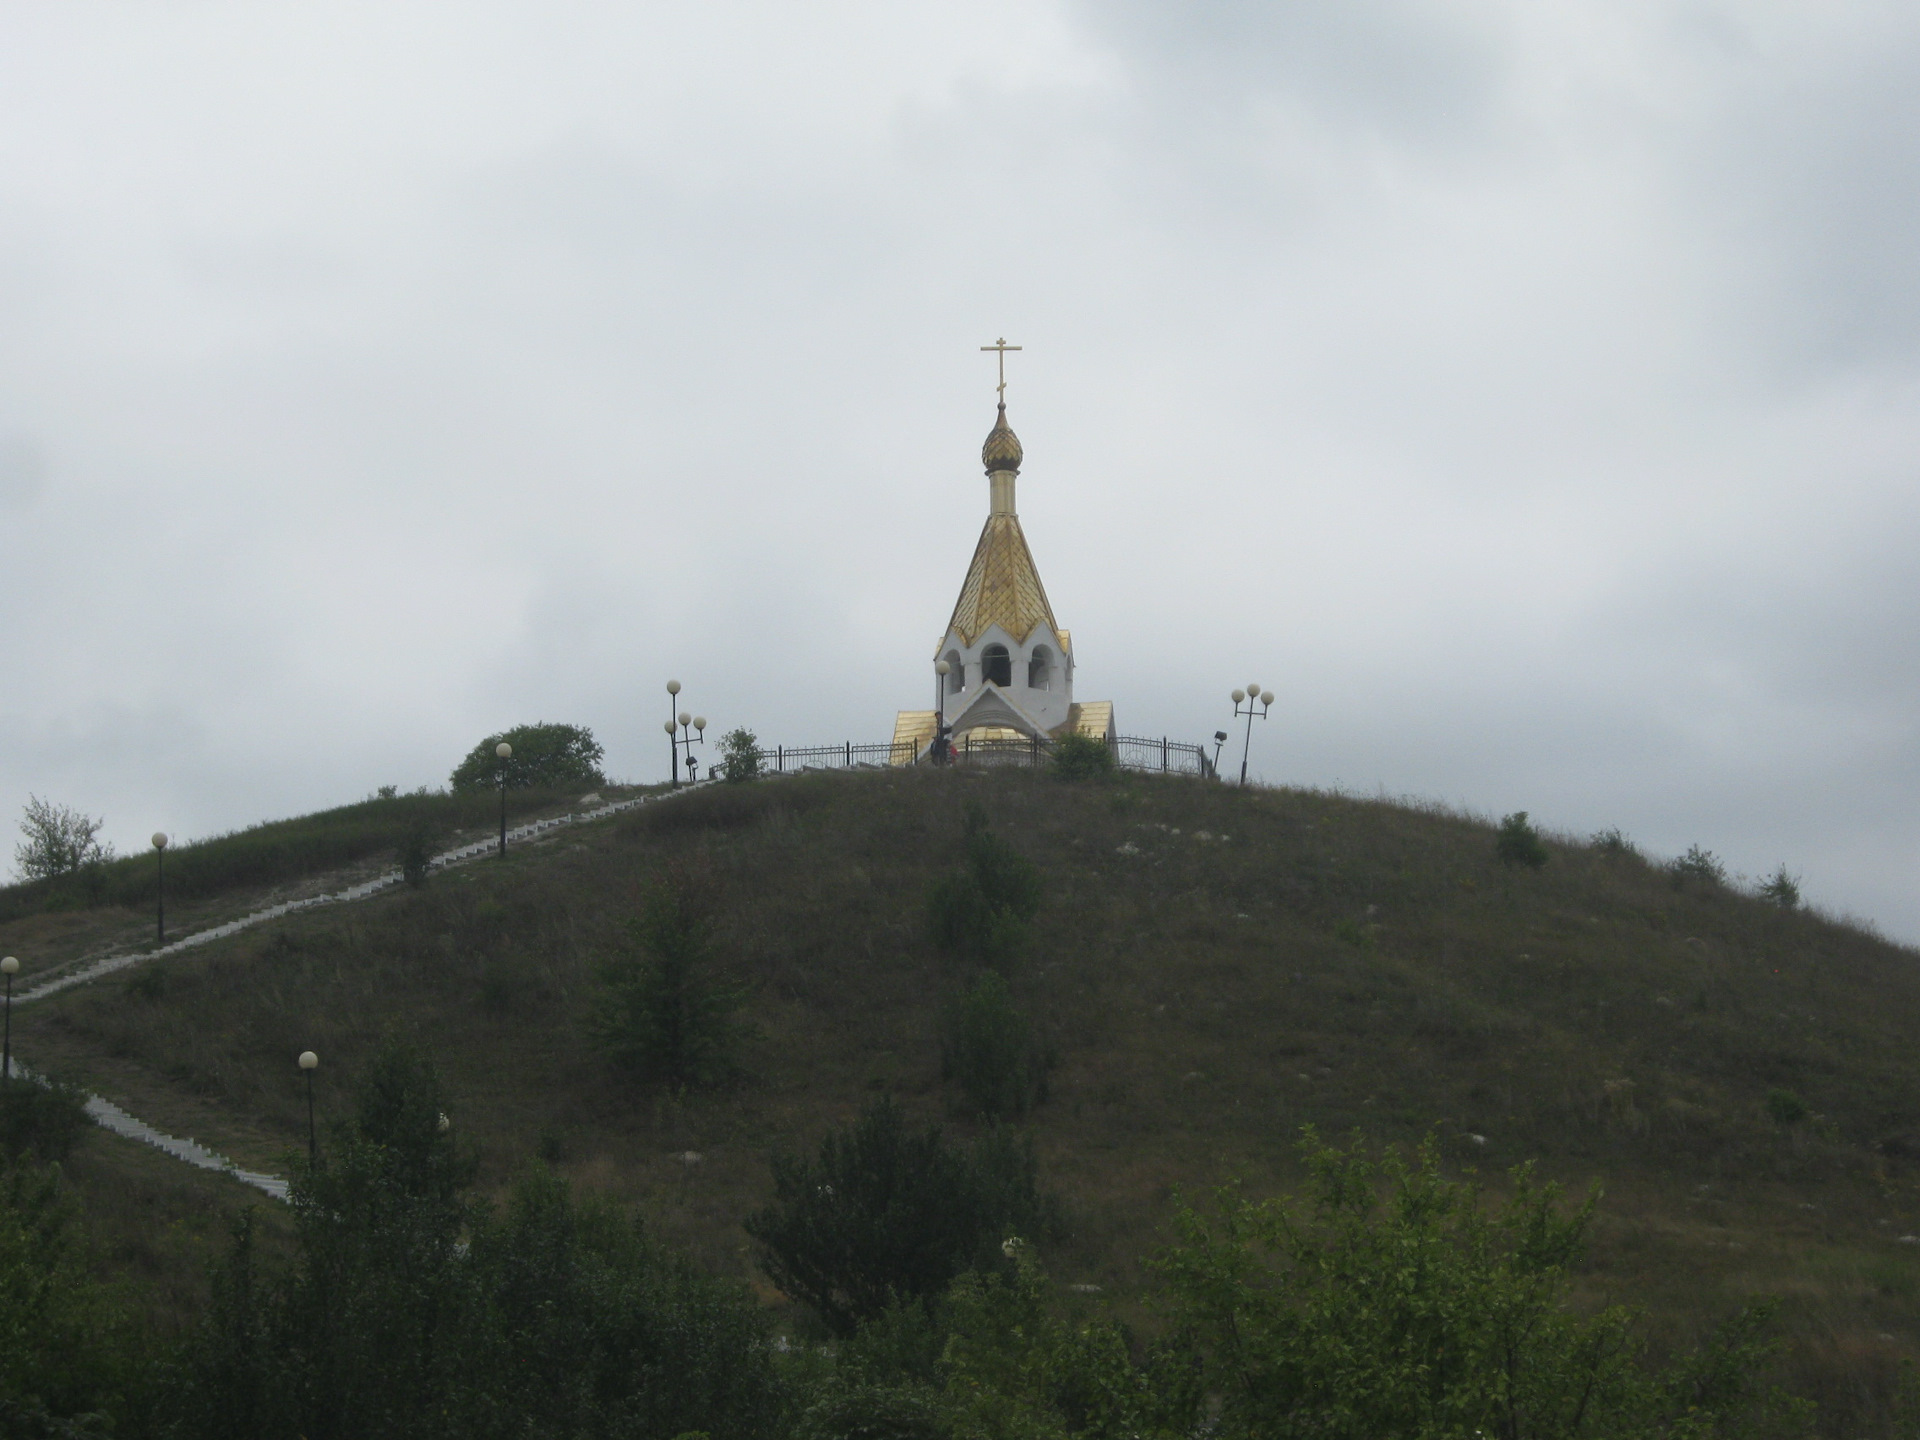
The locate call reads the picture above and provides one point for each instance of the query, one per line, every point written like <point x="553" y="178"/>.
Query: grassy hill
<point x="1216" y="967"/>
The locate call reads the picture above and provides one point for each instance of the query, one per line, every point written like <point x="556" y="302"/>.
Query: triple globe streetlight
<point x="1251" y="696"/>
<point x="684" y="731"/>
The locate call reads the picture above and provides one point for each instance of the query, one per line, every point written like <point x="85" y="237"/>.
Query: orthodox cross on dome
<point x="1002" y="346"/>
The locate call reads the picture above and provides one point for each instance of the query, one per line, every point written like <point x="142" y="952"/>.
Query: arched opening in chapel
<point x="996" y="665"/>
<point x="1040" y="669"/>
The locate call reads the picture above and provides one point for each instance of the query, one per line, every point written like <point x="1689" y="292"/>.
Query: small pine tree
<point x="981" y="912"/>
<point x="662" y="1014"/>
<point x="990" y="1051"/>
<point x="1518" y="843"/>
<point x="1782" y="889"/>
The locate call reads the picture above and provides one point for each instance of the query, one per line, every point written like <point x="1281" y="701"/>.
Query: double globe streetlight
<point x="684" y="731"/>
<point x="1251" y="696"/>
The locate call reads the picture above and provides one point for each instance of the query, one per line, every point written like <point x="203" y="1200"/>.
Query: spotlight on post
<point x="685" y="730"/>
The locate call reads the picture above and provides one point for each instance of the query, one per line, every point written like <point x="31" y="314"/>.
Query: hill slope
<point x="1217" y="968"/>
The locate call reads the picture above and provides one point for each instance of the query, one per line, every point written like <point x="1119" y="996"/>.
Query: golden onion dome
<point x="1002" y="450"/>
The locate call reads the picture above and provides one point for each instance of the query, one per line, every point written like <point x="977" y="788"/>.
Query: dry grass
<point x="1217" y="967"/>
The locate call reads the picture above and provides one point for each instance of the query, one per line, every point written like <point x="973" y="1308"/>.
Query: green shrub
<point x="1702" y="867"/>
<point x="740" y="757"/>
<point x="1785" y="1108"/>
<point x="981" y="912"/>
<point x="884" y="1215"/>
<point x="1518" y="843"/>
<point x="43" y="1121"/>
<point x="662" y="1014"/>
<point x="544" y="756"/>
<point x="1081" y="757"/>
<point x="990" y="1051"/>
<point x="417" y="846"/>
<point x="1613" y="844"/>
<point x="1782" y="889"/>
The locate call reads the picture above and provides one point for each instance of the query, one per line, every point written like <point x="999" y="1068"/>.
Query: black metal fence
<point x="1130" y="752"/>
<point x="782" y="759"/>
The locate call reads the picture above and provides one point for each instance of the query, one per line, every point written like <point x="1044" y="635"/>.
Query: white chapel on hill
<point x="1009" y="664"/>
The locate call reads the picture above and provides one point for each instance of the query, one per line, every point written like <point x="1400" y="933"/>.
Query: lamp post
<point x="308" y="1062"/>
<point x="9" y="967"/>
<point x="940" y="750"/>
<point x="160" y="884"/>
<point x="1253" y="695"/>
<point x="673" y="745"/>
<point x="1219" y="739"/>
<point x="685" y="731"/>
<point x="505" y="752"/>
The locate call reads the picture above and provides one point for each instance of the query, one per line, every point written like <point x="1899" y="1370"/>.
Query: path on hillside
<point x="111" y="1117"/>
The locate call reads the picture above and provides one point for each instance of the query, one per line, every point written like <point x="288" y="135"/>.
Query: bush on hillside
<point x="41" y="1121"/>
<point x="981" y="912"/>
<point x="544" y="756"/>
<point x="990" y="1051"/>
<point x="1081" y="757"/>
<point x="740" y="757"/>
<point x="1782" y="889"/>
<point x="663" y="1015"/>
<point x="417" y="846"/>
<point x="884" y="1215"/>
<point x="57" y="841"/>
<point x="1615" y="845"/>
<point x="1785" y="1108"/>
<point x="1518" y="843"/>
<point x="1699" y="867"/>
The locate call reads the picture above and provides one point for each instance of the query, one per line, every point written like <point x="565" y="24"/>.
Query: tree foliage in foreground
<point x="544" y="757"/>
<point x="413" y="1310"/>
<point x="1388" y="1304"/>
<point x="886" y="1214"/>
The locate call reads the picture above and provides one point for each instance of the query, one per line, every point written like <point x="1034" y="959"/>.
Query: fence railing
<point x="781" y="759"/>
<point x="1130" y="752"/>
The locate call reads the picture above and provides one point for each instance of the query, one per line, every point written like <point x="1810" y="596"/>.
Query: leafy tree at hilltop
<point x="57" y="840"/>
<point x="544" y="757"/>
<point x="740" y="757"/>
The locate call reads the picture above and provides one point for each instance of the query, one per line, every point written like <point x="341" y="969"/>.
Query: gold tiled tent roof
<point x="1002" y="587"/>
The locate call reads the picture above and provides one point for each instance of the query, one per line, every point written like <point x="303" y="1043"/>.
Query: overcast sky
<point x="1527" y="393"/>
